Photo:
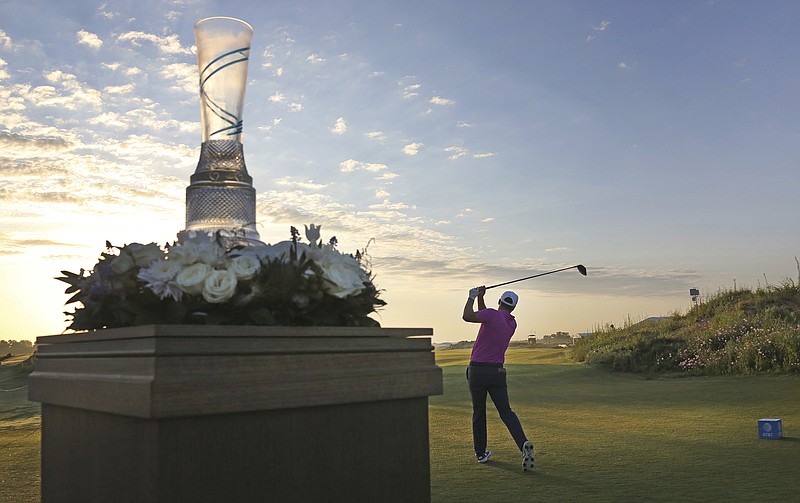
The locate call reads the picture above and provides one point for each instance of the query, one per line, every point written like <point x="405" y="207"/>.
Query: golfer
<point x="486" y="374"/>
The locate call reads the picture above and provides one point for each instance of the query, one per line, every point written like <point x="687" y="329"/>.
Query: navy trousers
<point x="489" y="379"/>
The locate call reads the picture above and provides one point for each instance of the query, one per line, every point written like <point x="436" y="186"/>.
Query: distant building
<point x="563" y="339"/>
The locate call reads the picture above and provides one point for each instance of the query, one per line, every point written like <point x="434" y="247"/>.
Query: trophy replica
<point x="221" y="197"/>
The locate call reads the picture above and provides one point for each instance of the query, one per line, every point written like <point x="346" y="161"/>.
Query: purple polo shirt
<point x="497" y="328"/>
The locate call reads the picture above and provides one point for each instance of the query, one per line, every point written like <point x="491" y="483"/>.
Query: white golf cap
<point x="509" y="298"/>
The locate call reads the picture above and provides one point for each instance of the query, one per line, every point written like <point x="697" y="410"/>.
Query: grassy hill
<point x="735" y="332"/>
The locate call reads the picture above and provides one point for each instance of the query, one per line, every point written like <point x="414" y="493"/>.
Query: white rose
<point x="185" y="255"/>
<point x="144" y="255"/>
<point x="198" y="247"/>
<point x="343" y="273"/>
<point x="244" y="266"/>
<point x="192" y="278"/>
<point x="219" y="286"/>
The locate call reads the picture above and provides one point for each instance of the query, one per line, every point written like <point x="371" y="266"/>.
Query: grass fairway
<point x="617" y="437"/>
<point x="19" y="436"/>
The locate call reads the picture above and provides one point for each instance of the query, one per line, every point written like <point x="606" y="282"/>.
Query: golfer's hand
<point x="481" y="291"/>
<point x="473" y="293"/>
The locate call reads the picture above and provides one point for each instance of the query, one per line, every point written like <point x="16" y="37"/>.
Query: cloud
<point x="409" y="88"/>
<point x="438" y="100"/>
<point x="89" y="39"/>
<point x="387" y="205"/>
<point x="3" y="73"/>
<point x="556" y="249"/>
<point x="623" y="65"/>
<point x="18" y="145"/>
<point x="184" y="76"/>
<point x="602" y="26"/>
<point x="7" y="43"/>
<point x="71" y="94"/>
<point x="352" y="165"/>
<point x="315" y="59"/>
<point x="487" y="220"/>
<point x="412" y="148"/>
<point x="288" y="181"/>
<point x="483" y="155"/>
<point x="278" y="97"/>
<point x="170" y="44"/>
<point x="340" y="127"/>
<point x="463" y="124"/>
<point x="456" y="152"/>
<point x="375" y="135"/>
<point x="124" y="89"/>
<point x="103" y="11"/>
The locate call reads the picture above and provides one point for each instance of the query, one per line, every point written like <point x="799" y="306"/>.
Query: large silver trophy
<point x="221" y="196"/>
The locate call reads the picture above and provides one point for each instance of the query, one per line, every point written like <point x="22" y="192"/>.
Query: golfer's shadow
<point x="505" y="466"/>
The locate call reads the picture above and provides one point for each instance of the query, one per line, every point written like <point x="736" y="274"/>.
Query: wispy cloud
<point x="456" y="152"/>
<point x="169" y="44"/>
<point x="438" y="100"/>
<point x="409" y="87"/>
<point x="183" y="75"/>
<point x="351" y="165"/>
<point x="291" y="182"/>
<point x="602" y="26"/>
<point x="375" y="136"/>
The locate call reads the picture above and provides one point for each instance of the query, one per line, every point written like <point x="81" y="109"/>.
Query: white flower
<point x="301" y="300"/>
<point x="343" y="273"/>
<point x="192" y="278"/>
<point x="312" y="233"/>
<point x="280" y="250"/>
<point x="160" y="278"/>
<point x="219" y="286"/>
<point x="123" y="263"/>
<point x="198" y="247"/>
<point x="144" y="255"/>
<point x="244" y="266"/>
<point x="185" y="255"/>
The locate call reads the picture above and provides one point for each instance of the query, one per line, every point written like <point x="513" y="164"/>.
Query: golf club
<point x="581" y="269"/>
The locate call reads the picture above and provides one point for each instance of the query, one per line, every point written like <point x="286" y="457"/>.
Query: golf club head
<point x="581" y="269"/>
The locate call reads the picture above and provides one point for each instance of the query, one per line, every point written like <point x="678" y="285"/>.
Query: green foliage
<point x="288" y="284"/>
<point x="735" y="332"/>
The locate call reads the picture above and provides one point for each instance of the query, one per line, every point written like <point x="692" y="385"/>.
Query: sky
<point x="465" y="142"/>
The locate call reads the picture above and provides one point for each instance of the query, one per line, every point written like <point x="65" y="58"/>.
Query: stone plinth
<point x="167" y="413"/>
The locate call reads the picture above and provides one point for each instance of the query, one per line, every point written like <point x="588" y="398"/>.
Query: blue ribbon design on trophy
<point x="235" y="122"/>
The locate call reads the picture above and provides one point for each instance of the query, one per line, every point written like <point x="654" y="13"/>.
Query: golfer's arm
<point x="481" y="303"/>
<point x="469" y="312"/>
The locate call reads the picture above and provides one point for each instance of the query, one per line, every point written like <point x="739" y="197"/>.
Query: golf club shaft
<point x="531" y="277"/>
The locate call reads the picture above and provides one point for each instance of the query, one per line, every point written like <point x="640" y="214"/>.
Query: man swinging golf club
<point x="486" y="374"/>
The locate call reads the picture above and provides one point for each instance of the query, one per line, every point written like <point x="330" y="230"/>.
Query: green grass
<point x="604" y="436"/>
<point x="733" y="332"/>
<point x="599" y="436"/>
<point x="19" y="435"/>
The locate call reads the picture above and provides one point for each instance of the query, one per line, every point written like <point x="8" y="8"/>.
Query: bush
<point x="740" y="332"/>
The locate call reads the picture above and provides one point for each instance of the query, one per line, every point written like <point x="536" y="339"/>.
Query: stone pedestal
<point x="167" y="413"/>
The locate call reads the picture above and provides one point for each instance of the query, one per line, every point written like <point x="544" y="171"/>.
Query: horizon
<point x="656" y="144"/>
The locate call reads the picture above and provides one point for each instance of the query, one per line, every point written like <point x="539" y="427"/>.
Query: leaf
<point x="261" y="316"/>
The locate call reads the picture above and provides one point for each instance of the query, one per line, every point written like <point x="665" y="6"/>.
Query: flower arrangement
<point x="200" y="279"/>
